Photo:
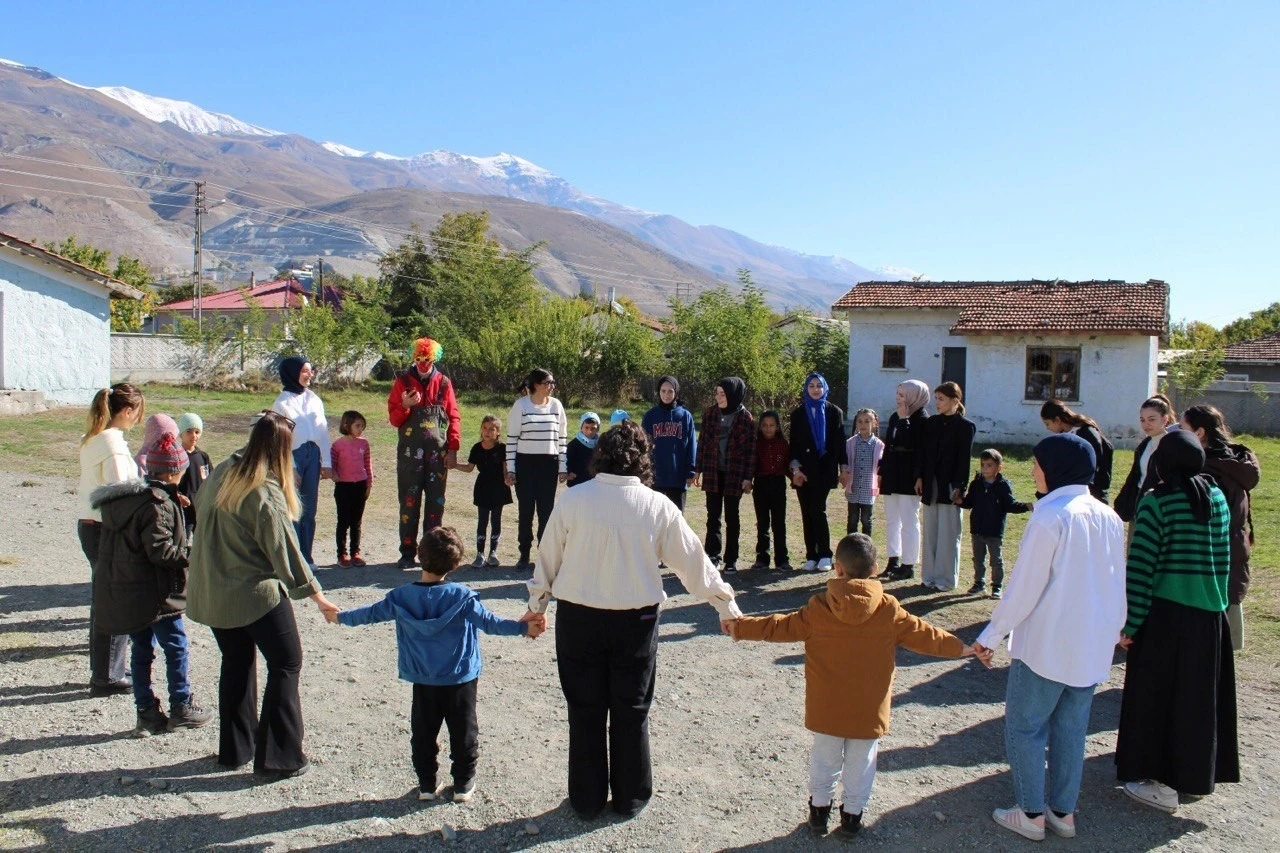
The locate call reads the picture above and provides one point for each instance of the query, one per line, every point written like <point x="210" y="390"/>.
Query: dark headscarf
<point x="290" y="368"/>
<point x="1177" y="465"/>
<point x="675" y="384"/>
<point x="735" y="391"/>
<point x="1066" y="460"/>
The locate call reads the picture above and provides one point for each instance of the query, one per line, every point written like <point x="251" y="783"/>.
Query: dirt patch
<point x="729" y="749"/>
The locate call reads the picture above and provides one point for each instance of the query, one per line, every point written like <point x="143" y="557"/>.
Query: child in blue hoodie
<point x="437" y="632"/>
<point x="669" y="426"/>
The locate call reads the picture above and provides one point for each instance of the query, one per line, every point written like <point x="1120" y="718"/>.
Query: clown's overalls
<point x="420" y="469"/>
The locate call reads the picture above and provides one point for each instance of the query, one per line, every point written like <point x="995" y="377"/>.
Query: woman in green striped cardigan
<point x="1178" y="715"/>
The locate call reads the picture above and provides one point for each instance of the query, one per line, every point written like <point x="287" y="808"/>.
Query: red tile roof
<point x="1008" y="307"/>
<point x="1265" y="348"/>
<point x="271" y="295"/>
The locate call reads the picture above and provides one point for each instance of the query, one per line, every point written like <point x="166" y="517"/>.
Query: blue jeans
<point x="171" y="635"/>
<point x="1039" y="712"/>
<point x="306" y="464"/>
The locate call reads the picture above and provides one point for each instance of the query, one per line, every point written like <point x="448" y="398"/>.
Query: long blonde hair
<point x="110" y="402"/>
<point x="267" y="456"/>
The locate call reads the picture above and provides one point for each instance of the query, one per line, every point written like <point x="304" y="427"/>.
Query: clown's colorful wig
<point x="426" y="348"/>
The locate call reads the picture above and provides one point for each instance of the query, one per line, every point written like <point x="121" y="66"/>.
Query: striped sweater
<point x="536" y="430"/>
<point x="1176" y="558"/>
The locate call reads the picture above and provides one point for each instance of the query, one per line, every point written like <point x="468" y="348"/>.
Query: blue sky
<point x="996" y="140"/>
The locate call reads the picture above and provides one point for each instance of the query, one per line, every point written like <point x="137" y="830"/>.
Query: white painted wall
<point x="56" y="334"/>
<point x="1117" y="372"/>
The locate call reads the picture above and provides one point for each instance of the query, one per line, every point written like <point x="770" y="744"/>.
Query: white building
<point x="55" y="323"/>
<point x="1010" y="346"/>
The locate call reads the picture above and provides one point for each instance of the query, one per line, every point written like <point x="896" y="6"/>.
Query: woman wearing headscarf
<point x="1236" y="470"/>
<point x="725" y="464"/>
<point x="669" y="426"/>
<point x="578" y="452"/>
<point x="903" y="438"/>
<point x="1063" y="605"/>
<point x="1178" y="716"/>
<point x="818" y="463"/>
<point x="311" y="462"/>
<point x="423" y="409"/>
<point x="599" y="559"/>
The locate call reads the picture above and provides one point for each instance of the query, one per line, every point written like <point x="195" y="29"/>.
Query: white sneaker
<point x="1016" y="820"/>
<point x="493" y="559"/>
<point x="824" y="565"/>
<point x="478" y="562"/>
<point x="809" y="566"/>
<point x="424" y="794"/>
<point x="1063" y="827"/>
<point x="1153" y="794"/>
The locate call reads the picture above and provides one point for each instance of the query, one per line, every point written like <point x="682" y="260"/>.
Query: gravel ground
<point x="729" y="749"/>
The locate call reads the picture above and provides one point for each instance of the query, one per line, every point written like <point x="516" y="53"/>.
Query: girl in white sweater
<point x="105" y="458"/>
<point x="537" y="432"/>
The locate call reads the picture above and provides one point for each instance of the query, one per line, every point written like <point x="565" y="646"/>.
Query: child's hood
<point x="425" y="611"/>
<point x="854" y="601"/>
<point x="119" y="501"/>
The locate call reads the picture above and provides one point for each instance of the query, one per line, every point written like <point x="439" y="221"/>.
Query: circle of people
<point x="1169" y="596"/>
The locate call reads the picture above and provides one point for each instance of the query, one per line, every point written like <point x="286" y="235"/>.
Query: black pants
<point x="813" y="516"/>
<point x="859" y="514"/>
<point x="769" y="494"/>
<point x="537" y="476"/>
<point x="274" y="740"/>
<point x="676" y="496"/>
<point x="608" y="664"/>
<point x="716" y="503"/>
<point x="455" y="706"/>
<point x="489" y="522"/>
<point x="350" y="499"/>
<point x="107" y="652"/>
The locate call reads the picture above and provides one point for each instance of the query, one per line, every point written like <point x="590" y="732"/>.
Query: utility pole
<point x="320" y="276"/>
<point x="197" y="308"/>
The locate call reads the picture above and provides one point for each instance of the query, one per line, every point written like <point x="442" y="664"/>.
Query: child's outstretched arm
<point x="382" y="611"/>
<point x="491" y="623"/>
<point x="922" y="638"/>
<point x="778" y="628"/>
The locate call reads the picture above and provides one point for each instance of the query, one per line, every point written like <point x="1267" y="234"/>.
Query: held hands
<point x="537" y="623"/>
<point x="511" y="478"/>
<point x="798" y="478"/>
<point x="328" y="609"/>
<point x="696" y="482"/>
<point x="729" y="628"/>
<point x="326" y="473"/>
<point x="919" y="487"/>
<point x="1124" y="642"/>
<point x="981" y="652"/>
<point x="562" y="477"/>
<point x="957" y="497"/>
<point x="746" y="487"/>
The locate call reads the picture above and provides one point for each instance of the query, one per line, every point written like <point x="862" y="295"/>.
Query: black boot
<point x="891" y="566"/>
<point x="849" y="825"/>
<point x="819" y="817"/>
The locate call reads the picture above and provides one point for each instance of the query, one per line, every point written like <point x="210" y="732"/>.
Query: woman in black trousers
<point x="537" y="436"/>
<point x="600" y="559"/>
<point x="818" y="463"/>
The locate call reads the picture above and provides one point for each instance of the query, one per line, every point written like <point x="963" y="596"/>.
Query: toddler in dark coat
<point x="989" y="500"/>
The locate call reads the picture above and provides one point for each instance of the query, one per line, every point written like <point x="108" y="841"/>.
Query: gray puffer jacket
<point x="141" y="574"/>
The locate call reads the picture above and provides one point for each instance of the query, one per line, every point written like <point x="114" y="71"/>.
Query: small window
<point x="1235" y="377"/>
<point x="1053" y="373"/>
<point x="893" y="358"/>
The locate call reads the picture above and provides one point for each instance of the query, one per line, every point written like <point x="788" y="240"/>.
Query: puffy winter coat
<point x="141" y="574"/>
<point x="1236" y="470"/>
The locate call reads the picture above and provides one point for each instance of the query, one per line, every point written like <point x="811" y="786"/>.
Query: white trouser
<point x="833" y="757"/>
<point x="902" y="527"/>
<point x="940" y="563"/>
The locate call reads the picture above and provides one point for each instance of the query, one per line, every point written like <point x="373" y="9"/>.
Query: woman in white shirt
<point x="1062" y="610"/>
<point x="537" y="433"/>
<point x="105" y="458"/>
<point x="310" y="443"/>
<point x="599" y="558"/>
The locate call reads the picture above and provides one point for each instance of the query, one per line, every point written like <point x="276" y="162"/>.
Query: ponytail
<point x="108" y="403"/>
<point x="1058" y="410"/>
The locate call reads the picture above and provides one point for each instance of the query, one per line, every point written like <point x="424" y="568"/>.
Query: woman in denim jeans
<point x="1064" y="604"/>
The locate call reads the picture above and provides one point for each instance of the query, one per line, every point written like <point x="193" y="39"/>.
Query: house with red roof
<point x="1257" y="360"/>
<point x="1011" y="345"/>
<point x="277" y="299"/>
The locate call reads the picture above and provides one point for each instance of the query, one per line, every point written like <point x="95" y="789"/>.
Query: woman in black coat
<point x="818" y="464"/>
<point x="903" y="440"/>
<point x="943" y="473"/>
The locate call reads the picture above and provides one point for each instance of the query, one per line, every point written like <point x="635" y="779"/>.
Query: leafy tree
<point x="1191" y="372"/>
<point x="187" y="290"/>
<point x="454" y="284"/>
<point x="126" y="314"/>
<point x="1259" y="323"/>
<point x="337" y="338"/>
<point x="222" y="351"/>
<point x="1194" y="334"/>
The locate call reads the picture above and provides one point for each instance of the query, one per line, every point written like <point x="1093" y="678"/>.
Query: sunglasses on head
<point x="273" y="415"/>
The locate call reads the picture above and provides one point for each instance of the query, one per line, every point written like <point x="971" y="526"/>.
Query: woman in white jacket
<point x="105" y="458"/>
<point x="599" y="557"/>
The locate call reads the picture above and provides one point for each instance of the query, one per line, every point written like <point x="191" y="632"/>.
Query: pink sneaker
<point x="1016" y="820"/>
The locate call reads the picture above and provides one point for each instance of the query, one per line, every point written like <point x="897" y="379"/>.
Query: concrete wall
<point x="1249" y="407"/>
<point x="54" y="331"/>
<point x="1117" y="372"/>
